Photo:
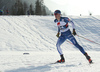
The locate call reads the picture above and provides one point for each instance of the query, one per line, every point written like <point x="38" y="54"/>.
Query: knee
<point x="76" y="44"/>
<point x="57" y="45"/>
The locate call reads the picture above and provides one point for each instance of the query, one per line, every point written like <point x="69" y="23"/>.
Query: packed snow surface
<point x="36" y="35"/>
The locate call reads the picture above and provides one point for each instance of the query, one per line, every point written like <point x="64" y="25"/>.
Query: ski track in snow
<point x="37" y="35"/>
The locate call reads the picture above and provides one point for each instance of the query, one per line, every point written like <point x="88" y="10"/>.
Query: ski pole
<point x="69" y="42"/>
<point x="88" y="39"/>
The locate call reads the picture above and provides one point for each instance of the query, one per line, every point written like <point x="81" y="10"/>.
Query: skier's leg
<point x="61" y="39"/>
<point x="73" y="40"/>
<point x="59" y="42"/>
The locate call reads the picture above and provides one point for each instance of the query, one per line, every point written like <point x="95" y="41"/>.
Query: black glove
<point x="74" y="32"/>
<point x="58" y="34"/>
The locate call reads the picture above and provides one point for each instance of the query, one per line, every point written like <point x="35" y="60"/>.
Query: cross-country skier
<point x="28" y="12"/>
<point x="63" y="28"/>
<point x="7" y="11"/>
<point x="1" y="12"/>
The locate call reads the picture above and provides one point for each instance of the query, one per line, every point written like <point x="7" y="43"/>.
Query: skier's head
<point x="57" y="14"/>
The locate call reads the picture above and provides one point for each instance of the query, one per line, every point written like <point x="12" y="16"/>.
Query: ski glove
<point x="58" y="35"/>
<point x="74" y="32"/>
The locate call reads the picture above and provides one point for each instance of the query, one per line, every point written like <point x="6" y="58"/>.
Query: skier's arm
<point x="67" y="20"/>
<point x="58" y="32"/>
<point x="73" y="26"/>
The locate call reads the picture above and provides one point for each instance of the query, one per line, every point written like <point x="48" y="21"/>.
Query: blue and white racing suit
<point x="66" y="34"/>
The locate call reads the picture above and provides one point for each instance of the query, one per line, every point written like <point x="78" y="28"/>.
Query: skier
<point x="63" y="28"/>
<point x="1" y="12"/>
<point x="7" y="11"/>
<point x="28" y="12"/>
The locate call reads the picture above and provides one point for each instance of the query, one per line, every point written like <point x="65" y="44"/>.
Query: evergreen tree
<point x="80" y="14"/>
<point x="12" y="10"/>
<point x="38" y="8"/>
<point x="31" y="9"/>
<point x="43" y="8"/>
<point x="44" y="11"/>
<point x="25" y="7"/>
<point x="20" y="8"/>
<point x="90" y="14"/>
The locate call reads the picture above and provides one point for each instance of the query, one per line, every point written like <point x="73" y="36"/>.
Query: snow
<point x="41" y="62"/>
<point x="36" y="35"/>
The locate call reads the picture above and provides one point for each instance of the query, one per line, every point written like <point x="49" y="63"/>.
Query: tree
<point x="18" y="8"/>
<point x="44" y="11"/>
<point x="13" y="10"/>
<point x="90" y="14"/>
<point x="25" y="7"/>
<point x="80" y="14"/>
<point x="31" y="9"/>
<point x="38" y="8"/>
<point x="43" y="8"/>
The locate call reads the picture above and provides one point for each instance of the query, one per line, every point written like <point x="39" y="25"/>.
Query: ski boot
<point x="62" y="60"/>
<point x="88" y="58"/>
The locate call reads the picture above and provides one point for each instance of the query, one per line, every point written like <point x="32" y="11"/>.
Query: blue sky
<point x="74" y="7"/>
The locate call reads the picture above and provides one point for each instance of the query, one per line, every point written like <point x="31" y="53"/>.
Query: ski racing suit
<point x="63" y="28"/>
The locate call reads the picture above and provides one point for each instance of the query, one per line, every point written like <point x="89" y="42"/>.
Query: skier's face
<point x="57" y="16"/>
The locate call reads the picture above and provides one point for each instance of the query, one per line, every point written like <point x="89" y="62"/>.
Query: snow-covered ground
<point x="36" y="35"/>
<point x="41" y="62"/>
